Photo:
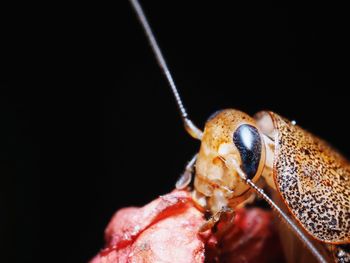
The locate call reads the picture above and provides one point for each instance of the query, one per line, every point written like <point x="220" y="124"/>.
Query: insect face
<point x="230" y="137"/>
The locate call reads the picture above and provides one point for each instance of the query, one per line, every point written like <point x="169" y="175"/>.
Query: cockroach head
<point x="230" y="138"/>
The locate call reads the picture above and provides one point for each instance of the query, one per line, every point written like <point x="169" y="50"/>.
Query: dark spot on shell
<point x="306" y="151"/>
<point x="333" y="222"/>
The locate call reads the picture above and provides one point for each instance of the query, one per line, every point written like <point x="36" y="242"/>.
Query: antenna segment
<point x="189" y="125"/>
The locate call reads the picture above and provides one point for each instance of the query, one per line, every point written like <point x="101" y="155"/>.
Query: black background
<point x="89" y="125"/>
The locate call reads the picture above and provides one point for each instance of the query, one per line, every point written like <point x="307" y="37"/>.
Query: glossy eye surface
<point x="248" y="142"/>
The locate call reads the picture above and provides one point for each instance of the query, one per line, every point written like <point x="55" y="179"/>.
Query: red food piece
<point x="166" y="230"/>
<point x="163" y="231"/>
<point x="251" y="238"/>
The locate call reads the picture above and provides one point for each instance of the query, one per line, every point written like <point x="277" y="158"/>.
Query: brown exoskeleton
<point x="311" y="178"/>
<point x="238" y="153"/>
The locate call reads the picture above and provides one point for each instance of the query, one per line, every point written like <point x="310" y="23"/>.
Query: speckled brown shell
<point x="314" y="182"/>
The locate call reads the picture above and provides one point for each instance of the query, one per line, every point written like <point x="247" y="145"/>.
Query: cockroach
<point x="238" y="152"/>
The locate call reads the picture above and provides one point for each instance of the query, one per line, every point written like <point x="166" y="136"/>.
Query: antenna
<point x="290" y="223"/>
<point x="189" y="125"/>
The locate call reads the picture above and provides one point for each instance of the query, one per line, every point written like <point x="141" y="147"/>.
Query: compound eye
<point x="248" y="142"/>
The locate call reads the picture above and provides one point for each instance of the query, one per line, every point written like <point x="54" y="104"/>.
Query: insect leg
<point x="211" y="222"/>
<point x="186" y="177"/>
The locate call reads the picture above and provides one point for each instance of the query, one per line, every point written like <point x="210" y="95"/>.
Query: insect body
<point x="311" y="178"/>
<point x="239" y="152"/>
